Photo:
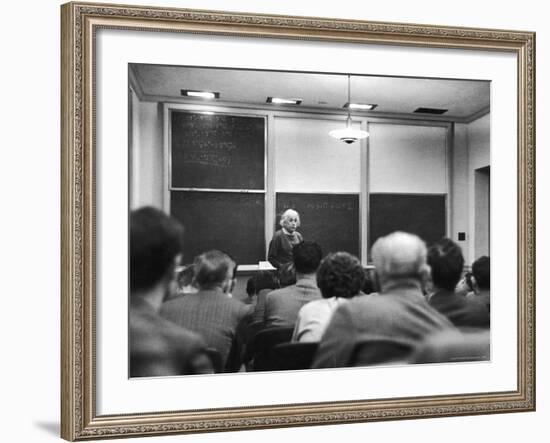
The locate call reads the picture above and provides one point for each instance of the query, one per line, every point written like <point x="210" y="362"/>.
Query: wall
<point x="147" y="173"/>
<point x="29" y="379"/>
<point x="404" y="156"/>
<point x="481" y="210"/>
<point x="407" y="158"/>
<point x="460" y="191"/>
<point x="479" y="155"/>
<point x="307" y="159"/>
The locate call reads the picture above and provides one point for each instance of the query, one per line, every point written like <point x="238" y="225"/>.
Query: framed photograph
<point x="217" y="165"/>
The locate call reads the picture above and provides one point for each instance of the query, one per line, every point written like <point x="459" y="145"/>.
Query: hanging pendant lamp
<point x="348" y="134"/>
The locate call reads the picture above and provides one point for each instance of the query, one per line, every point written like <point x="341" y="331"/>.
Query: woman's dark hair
<point x="340" y="275"/>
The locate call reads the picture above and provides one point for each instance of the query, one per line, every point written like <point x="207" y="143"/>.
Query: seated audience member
<point x="286" y="275"/>
<point x="339" y="277"/>
<point x="280" y="247"/>
<point x="453" y="346"/>
<point x="446" y="264"/>
<point x="261" y="284"/>
<point x="185" y="280"/>
<point x="157" y="346"/>
<point x="481" y="280"/>
<point x="282" y="305"/>
<point x="370" y="283"/>
<point x="210" y="312"/>
<point x="400" y="311"/>
<point x="465" y="286"/>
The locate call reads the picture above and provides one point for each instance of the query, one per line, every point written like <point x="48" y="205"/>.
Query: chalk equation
<point x="218" y="159"/>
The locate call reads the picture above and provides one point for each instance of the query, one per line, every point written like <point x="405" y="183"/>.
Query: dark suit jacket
<point x="462" y="312"/>
<point x="400" y="312"/>
<point x="159" y="347"/>
<point x="280" y="248"/>
<point x="282" y="305"/>
<point x="259" y="307"/>
<point x="213" y="315"/>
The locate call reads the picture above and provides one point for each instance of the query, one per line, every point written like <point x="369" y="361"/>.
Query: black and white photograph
<point x="289" y="220"/>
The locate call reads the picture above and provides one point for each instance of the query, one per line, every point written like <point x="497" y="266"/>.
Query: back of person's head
<point x="370" y="282"/>
<point x="155" y="243"/>
<point x="286" y="274"/>
<point x="340" y="275"/>
<point x="250" y="287"/>
<point x="399" y="256"/>
<point x="446" y="263"/>
<point x="481" y="269"/>
<point x="307" y="257"/>
<point x="214" y="269"/>
<point x="186" y="275"/>
<point x="265" y="280"/>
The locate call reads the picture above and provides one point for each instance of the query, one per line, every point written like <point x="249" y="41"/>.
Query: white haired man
<point x="280" y="247"/>
<point x="400" y="315"/>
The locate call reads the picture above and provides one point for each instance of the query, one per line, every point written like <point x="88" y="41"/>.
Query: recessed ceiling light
<point x="200" y="94"/>
<point x="284" y="101"/>
<point x="361" y="106"/>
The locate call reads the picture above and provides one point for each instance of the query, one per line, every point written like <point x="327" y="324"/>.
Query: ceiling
<point x="464" y="99"/>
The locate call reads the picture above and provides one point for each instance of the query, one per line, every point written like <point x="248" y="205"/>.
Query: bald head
<point x="399" y="255"/>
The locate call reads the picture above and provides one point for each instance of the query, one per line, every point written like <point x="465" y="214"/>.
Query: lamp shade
<point x="348" y="134"/>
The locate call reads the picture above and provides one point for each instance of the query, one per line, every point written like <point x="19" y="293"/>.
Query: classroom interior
<point x="426" y="170"/>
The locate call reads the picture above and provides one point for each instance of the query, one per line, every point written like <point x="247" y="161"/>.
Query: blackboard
<point x="217" y="151"/>
<point x="423" y="215"/>
<point x="231" y="222"/>
<point x="332" y="220"/>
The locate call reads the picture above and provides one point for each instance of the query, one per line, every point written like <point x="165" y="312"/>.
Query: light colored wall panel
<point x="479" y="138"/>
<point x="309" y="160"/>
<point x="460" y="208"/>
<point x="479" y="155"/>
<point x="149" y="162"/>
<point x="407" y="158"/>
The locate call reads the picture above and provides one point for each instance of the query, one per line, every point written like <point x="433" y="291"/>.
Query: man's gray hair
<point x="399" y="255"/>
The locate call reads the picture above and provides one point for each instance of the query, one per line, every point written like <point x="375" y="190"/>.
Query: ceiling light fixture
<point x="361" y="106"/>
<point x="348" y="134"/>
<point x="200" y="94"/>
<point x="284" y="101"/>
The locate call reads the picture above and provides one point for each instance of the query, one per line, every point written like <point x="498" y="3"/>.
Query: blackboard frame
<point x="200" y="108"/>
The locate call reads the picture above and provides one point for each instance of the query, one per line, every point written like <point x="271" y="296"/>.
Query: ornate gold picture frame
<point x="79" y="396"/>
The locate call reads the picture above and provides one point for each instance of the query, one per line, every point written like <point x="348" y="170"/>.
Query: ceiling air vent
<point x="430" y="111"/>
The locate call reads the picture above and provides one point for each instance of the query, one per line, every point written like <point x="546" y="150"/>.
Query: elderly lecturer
<point x="280" y="247"/>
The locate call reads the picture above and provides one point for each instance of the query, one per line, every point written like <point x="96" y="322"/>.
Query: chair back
<point x="292" y="356"/>
<point x="262" y="344"/>
<point x="216" y="359"/>
<point x="377" y="350"/>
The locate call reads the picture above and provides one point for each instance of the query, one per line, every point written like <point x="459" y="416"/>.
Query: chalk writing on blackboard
<point x="207" y="158"/>
<point x="217" y="151"/>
